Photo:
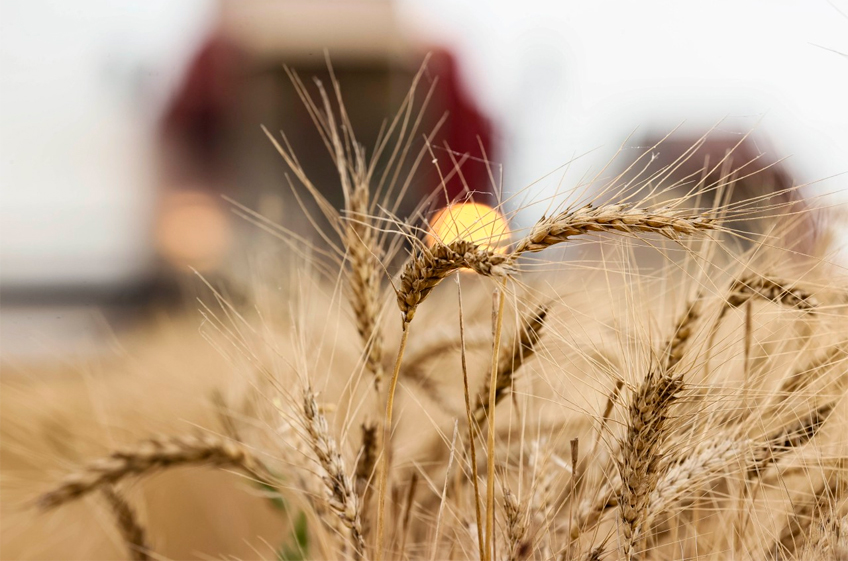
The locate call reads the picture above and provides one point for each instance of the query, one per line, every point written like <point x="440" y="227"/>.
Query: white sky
<point x="82" y="86"/>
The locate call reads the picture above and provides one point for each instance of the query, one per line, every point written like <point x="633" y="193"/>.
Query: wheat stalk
<point x="153" y="455"/>
<point x="341" y="496"/>
<point x="130" y="527"/>
<point x="667" y="222"/>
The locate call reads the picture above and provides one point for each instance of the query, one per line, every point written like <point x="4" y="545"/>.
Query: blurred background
<point x="122" y="124"/>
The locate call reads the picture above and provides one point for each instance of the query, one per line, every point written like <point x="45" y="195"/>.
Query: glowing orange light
<point x="193" y="230"/>
<point x="474" y="222"/>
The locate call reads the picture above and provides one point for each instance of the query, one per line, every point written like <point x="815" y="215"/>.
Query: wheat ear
<point x="430" y="266"/>
<point x="367" y="456"/>
<point x="771" y="289"/>
<point x="667" y="222"/>
<point x="797" y="527"/>
<point x="790" y="437"/>
<point x="515" y="526"/>
<point x="687" y="473"/>
<point x="523" y="346"/>
<point x="130" y="527"/>
<point x="708" y="458"/>
<point x="642" y="452"/>
<point x="341" y="495"/>
<point x="153" y="455"/>
<point x="364" y="274"/>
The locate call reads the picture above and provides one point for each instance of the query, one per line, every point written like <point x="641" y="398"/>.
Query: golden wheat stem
<point x="490" y="460"/>
<point x="471" y="425"/>
<point x="387" y="431"/>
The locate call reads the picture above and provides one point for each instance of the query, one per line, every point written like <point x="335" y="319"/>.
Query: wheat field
<point x="655" y="370"/>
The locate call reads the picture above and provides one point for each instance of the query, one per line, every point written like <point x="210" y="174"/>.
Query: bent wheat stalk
<point x="422" y="273"/>
<point x="153" y="455"/>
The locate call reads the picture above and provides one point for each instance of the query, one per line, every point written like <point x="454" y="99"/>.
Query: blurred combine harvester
<point x="131" y="195"/>
<point x="212" y="144"/>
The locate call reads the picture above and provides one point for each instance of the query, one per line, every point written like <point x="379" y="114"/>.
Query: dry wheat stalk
<point x="643" y="452"/>
<point x="667" y="222"/>
<point x="152" y="455"/>
<point x="523" y="346"/>
<point x="131" y="529"/>
<point x="515" y="524"/>
<point x="771" y="289"/>
<point x="430" y="266"/>
<point x="341" y="496"/>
